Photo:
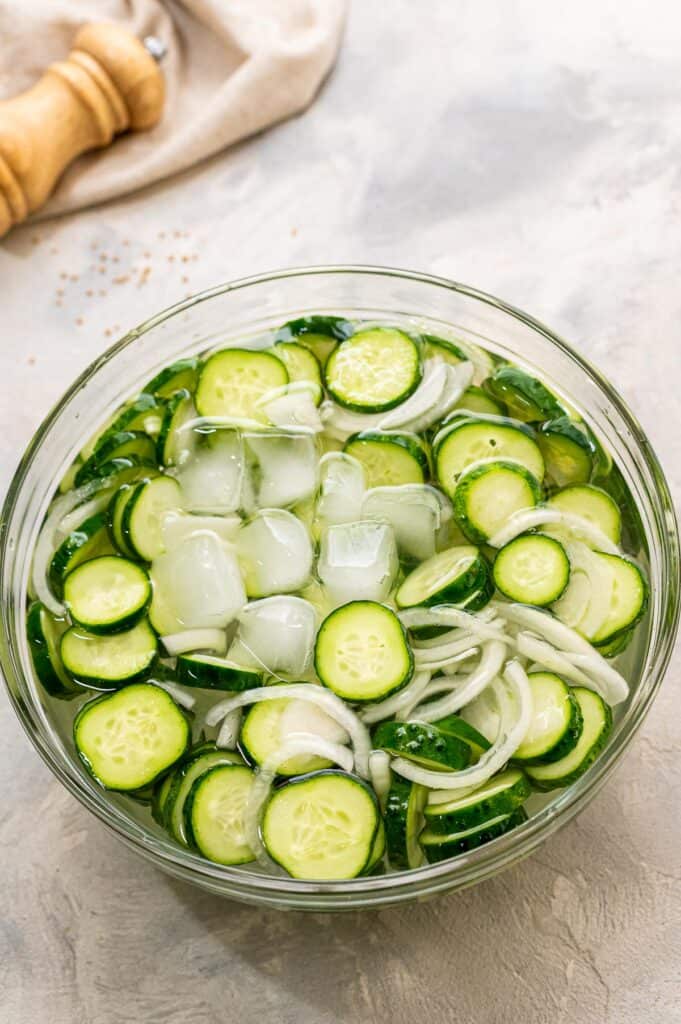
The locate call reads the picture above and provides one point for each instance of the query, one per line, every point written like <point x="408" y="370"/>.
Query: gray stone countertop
<point x="532" y="150"/>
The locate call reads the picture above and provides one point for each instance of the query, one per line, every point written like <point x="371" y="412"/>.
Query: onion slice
<point x="229" y="730"/>
<point x="407" y="697"/>
<point x="528" y="519"/>
<point x="177" y="692"/>
<point x="195" y="640"/>
<point x="448" y="615"/>
<point x="515" y="702"/>
<point x="491" y="661"/>
<point x="329" y="702"/>
<point x="380" y="775"/>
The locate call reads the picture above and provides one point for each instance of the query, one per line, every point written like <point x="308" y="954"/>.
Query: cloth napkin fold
<point x="233" y="67"/>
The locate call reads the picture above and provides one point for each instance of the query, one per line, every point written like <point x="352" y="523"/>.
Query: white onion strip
<point x="47" y="541"/>
<point x="195" y="640"/>
<point x="448" y="615"/>
<point x="528" y="519"/>
<point x="549" y="658"/>
<point x="229" y="730"/>
<point x="441" y="684"/>
<point x="410" y="695"/>
<point x="447" y="659"/>
<point x="515" y="720"/>
<point x="380" y="774"/>
<point x="545" y="625"/>
<point x="82" y="512"/>
<point x="296" y="745"/>
<point x="491" y="662"/>
<point x="612" y="686"/>
<point x="329" y="702"/>
<point x="177" y="692"/>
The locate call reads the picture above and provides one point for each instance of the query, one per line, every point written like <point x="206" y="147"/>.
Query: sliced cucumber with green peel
<point x="532" y="569"/>
<point x="215" y="815"/>
<point x="374" y="370"/>
<point x="438" y="846"/>
<point x="127" y="739"/>
<point x="453" y="725"/>
<point x="628" y="599"/>
<point x="468" y="441"/>
<point x="115" y="446"/>
<point x="606" y="597"/>
<point x="144" y="413"/>
<point x="525" y="397"/>
<point x="403" y="819"/>
<point x="619" y="643"/>
<point x="179" y="376"/>
<point x="487" y="495"/>
<point x="301" y="364"/>
<point x="556" y="723"/>
<point x="106" y="662"/>
<point x="424" y="744"/>
<point x="503" y="794"/>
<point x="451" y="576"/>
<point x="233" y="381"/>
<point x="267" y="725"/>
<point x="322" y="827"/>
<point x="115" y="517"/>
<point x="143" y="514"/>
<point x="44" y="633"/>
<point x="596" y="726"/>
<point x="181" y="782"/>
<point x="362" y="653"/>
<point x="375" y="864"/>
<point x="90" y="540"/>
<point x="592" y="504"/>
<point x="320" y="334"/>
<point x="175" y="440"/>
<point x="389" y="460"/>
<point x="212" y="673"/>
<point x="475" y="400"/>
<point x="159" y="797"/>
<point x="569" y="453"/>
<point x="442" y="348"/>
<point x="107" y="594"/>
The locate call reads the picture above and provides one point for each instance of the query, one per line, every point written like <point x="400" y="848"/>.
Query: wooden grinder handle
<point x="108" y="84"/>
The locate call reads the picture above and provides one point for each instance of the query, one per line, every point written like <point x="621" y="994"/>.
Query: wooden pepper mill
<point x="109" y="83"/>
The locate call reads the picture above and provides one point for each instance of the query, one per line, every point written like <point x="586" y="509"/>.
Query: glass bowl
<point x="245" y="308"/>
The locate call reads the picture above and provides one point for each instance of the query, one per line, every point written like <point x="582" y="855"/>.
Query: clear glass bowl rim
<point x="368" y="891"/>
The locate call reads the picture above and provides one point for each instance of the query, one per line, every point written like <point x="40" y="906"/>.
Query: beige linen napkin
<point x="233" y="67"/>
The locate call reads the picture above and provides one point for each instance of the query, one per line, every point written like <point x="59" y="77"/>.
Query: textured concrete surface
<point x="532" y="151"/>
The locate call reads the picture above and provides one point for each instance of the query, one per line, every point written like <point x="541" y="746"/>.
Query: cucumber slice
<point x="216" y="811"/>
<point x="389" y="460"/>
<point x="143" y="514"/>
<point x="596" y="726"/>
<point x="568" y="451"/>
<point x="301" y="364"/>
<point x="182" y="780"/>
<point x="159" y="797"/>
<point x="175" y="442"/>
<point x="438" y="847"/>
<point x="362" y="653"/>
<point x="107" y="594"/>
<point x="453" y="725"/>
<point x="127" y="739"/>
<point x="90" y="540"/>
<point x="44" y="632"/>
<point x="211" y="673"/>
<point x="525" y="397"/>
<point x="144" y="413"/>
<point x="233" y="380"/>
<point x="322" y="826"/>
<point x="532" y="569"/>
<point x="556" y="723"/>
<point x="403" y="823"/>
<point x="268" y="724"/>
<point x="423" y="744"/>
<point x="501" y="795"/>
<point x="474" y="400"/>
<point x="446" y="578"/>
<point x="115" y="516"/>
<point x="179" y="376"/>
<point x="447" y="351"/>
<point x="611" y="648"/>
<point x="105" y="662"/>
<point x="469" y="441"/>
<point x="628" y="599"/>
<point x="375" y="866"/>
<point x="275" y="553"/>
<point x="115" y="446"/>
<point x="320" y="334"/>
<point x="592" y="504"/>
<point x="374" y="370"/>
<point x="487" y="495"/>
